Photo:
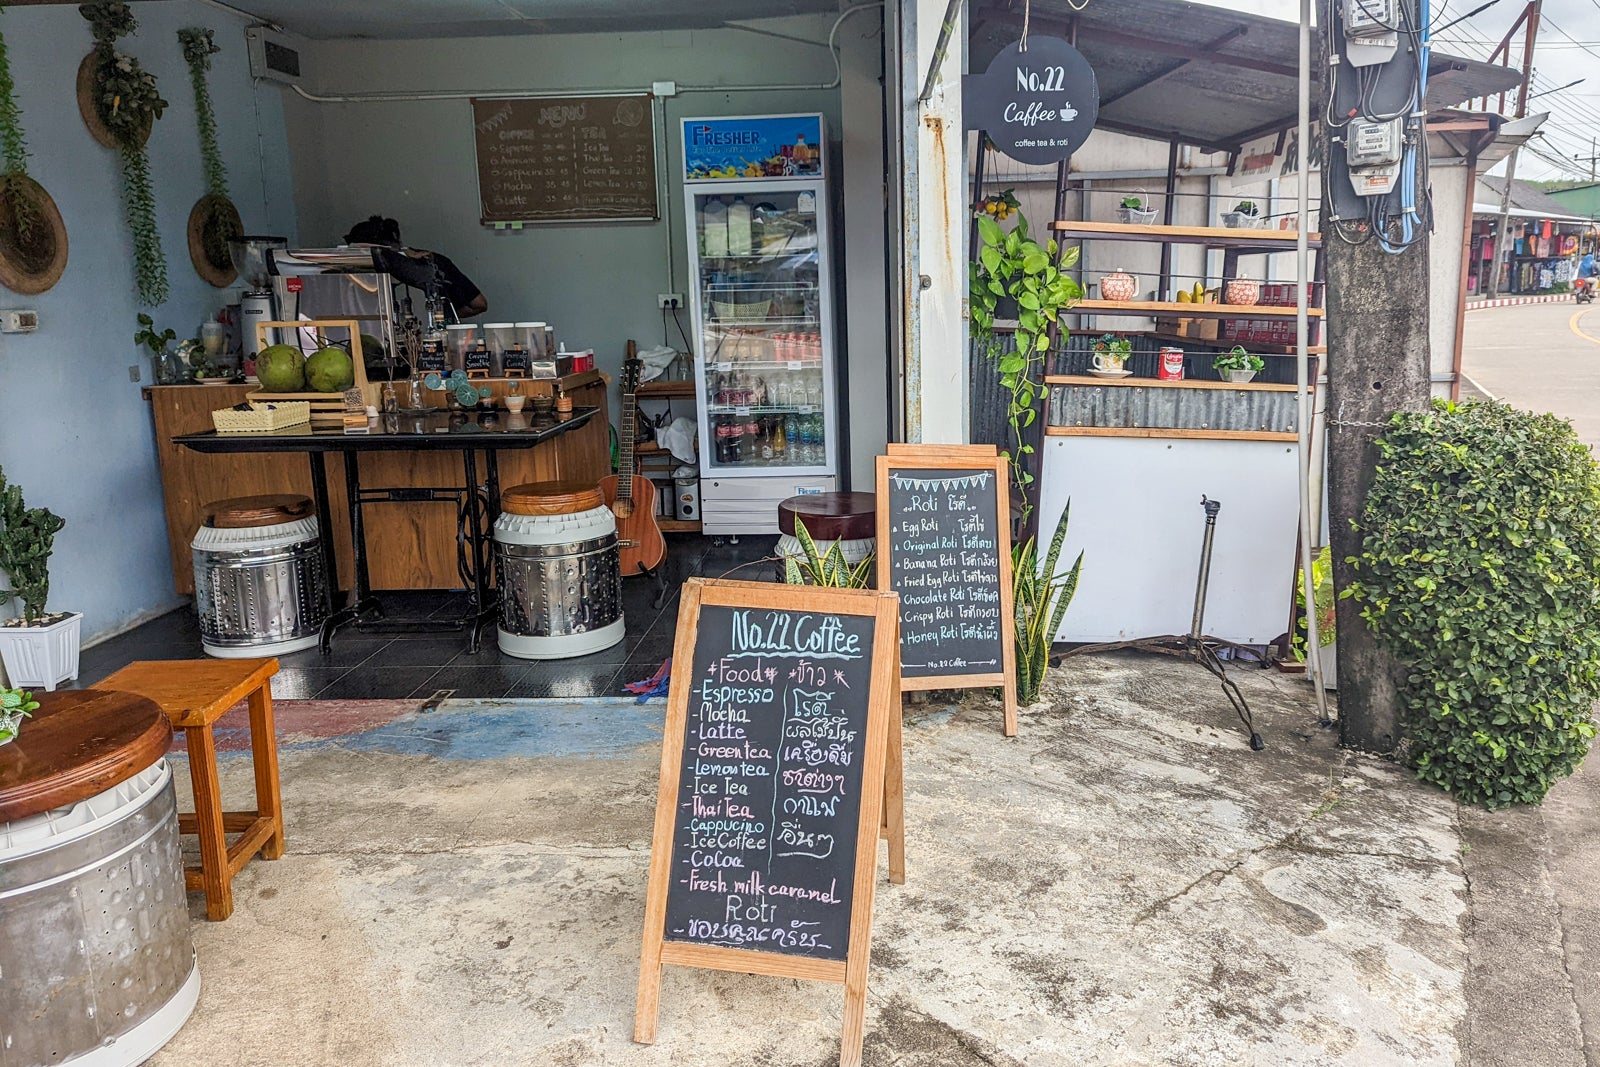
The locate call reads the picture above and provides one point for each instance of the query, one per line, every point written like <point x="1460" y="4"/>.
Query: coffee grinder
<point x="250" y="259"/>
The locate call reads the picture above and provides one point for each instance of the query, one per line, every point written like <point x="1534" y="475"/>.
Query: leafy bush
<point x="1480" y="570"/>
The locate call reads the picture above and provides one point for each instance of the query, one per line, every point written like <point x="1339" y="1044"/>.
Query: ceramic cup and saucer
<point x="1104" y="367"/>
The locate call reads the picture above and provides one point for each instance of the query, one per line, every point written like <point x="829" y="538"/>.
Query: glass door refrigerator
<point x="760" y="275"/>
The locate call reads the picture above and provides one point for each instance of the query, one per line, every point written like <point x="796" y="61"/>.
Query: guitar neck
<point x="630" y="430"/>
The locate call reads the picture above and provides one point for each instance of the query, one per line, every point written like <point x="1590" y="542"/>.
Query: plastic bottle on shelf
<point x="736" y="442"/>
<point x="769" y="449"/>
<point x="752" y="439"/>
<point x="714" y="227"/>
<point x="780" y="439"/>
<point x="739" y="228"/>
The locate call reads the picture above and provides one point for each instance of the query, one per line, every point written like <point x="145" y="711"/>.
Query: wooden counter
<point x="412" y="545"/>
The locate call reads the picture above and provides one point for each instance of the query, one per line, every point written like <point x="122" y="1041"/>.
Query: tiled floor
<point x="393" y="666"/>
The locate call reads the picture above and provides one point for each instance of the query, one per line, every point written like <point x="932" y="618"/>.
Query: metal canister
<point x="259" y="591"/>
<point x="1170" y="364"/>
<point x="96" y="962"/>
<point x="560" y="572"/>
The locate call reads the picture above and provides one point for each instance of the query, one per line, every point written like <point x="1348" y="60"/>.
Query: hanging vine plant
<point x="213" y="221"/>
<point x="33" y="239"/>
<point x="120" y="104"/>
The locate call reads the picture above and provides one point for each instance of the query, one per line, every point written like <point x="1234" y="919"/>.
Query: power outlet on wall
<point x="669" y="300"/>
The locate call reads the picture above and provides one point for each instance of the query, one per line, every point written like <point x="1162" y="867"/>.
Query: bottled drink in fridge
<point x="780" y="440"/>
<point x="736" y="441"/>
<point x="768" y="448"/>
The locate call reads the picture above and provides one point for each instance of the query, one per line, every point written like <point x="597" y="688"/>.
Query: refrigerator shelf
<point x="814" y="363"/>
<point x="762" y="409"/>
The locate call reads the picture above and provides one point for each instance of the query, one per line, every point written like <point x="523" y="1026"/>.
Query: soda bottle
<point x="780" y="439"/>
<point x="724" y="433"/>
<point x="752" y="440"/>
<point x="736" y="442"/>
<point x="768" y="449"/>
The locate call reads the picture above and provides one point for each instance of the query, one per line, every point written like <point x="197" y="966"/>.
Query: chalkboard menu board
<point x="944" y="545"/>
<point x="772" y="787"/>
<point x="566" y="159"/>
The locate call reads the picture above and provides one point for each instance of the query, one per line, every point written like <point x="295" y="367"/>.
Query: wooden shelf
<point x="679" y="525"/>
<point x="1157" y="432"/>
<point x="1150" y="308"/>
<point x="1260" y="348"/>
<point x="1162" y="383"/>
<point x="670" y="390"/>
<point x="1214" y="236"/>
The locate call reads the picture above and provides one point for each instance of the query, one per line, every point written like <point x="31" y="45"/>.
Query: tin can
<point x="1170" y="368"/>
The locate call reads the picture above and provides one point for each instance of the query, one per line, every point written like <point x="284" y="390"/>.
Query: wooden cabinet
<point x="410" y="545"/>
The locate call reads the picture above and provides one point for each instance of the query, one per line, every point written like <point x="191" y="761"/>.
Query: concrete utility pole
<point x="1378" y="363"/>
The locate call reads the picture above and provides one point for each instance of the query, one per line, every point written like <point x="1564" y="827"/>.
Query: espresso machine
<point x="251" y="258"/>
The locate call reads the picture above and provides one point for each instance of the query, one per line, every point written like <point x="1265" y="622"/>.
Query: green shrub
<point x="1480" y="570"/>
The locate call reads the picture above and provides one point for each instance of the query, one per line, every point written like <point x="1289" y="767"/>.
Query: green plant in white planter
<point x="1245" y="214"/>
<point x="15" y="705"/>
<point x="38" y="648"/>
<point x="1237" y="365"/>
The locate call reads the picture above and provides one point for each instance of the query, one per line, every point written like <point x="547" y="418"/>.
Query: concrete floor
<point x="1126" y="883"/>
<point x="1544" y="357"/>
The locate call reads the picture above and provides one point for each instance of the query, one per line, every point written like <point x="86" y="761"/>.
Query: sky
<point x="1567" y="48"/>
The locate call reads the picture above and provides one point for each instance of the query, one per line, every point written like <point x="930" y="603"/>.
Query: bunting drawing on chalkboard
<point x="975" y="481"/>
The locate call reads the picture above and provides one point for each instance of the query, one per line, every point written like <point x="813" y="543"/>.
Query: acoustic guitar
<point x="630" y="495"/>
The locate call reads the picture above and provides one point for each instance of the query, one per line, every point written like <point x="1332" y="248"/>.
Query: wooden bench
<point x="194" y="694"/>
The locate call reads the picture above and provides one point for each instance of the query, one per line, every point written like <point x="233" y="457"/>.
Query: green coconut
<point x="329" y="370"/>
<point x="281" y="369"/>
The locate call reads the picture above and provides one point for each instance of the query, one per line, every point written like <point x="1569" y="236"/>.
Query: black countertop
<point x="433" y="431"/>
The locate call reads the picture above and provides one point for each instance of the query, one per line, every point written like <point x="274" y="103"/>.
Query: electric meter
<point x="1369" y="17"/>
<point x="1373" y="144"/>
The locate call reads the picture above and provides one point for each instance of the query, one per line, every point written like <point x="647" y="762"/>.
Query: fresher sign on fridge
<point x="763" y="316"/>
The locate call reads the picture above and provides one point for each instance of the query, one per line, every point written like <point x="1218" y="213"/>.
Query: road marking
<point x="1470" y="380"/>
<point x="1573" y="322"/>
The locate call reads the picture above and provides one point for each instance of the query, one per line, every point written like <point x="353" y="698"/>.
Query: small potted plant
<point x="15" y="705"/>
<point x="1237" y="365"/>
<point x="165" y="369"/>
<point x="1133" y="211"/>
<point x="1245" y="215"/>
<point x="1110" y="354"/>
<point x="38" y="649"/>
<point x="1000" y="206"/>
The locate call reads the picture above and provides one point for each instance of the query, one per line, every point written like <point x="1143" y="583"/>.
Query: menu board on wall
<point x="944" y="545"/>
<point x="566" y="159"/>
<point x="772" y="788"/>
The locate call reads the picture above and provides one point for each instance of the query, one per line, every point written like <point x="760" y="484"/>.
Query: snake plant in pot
<point x="38" y="649"/>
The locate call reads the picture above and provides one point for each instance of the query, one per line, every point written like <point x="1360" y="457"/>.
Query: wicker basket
<point x="262" y="418"/>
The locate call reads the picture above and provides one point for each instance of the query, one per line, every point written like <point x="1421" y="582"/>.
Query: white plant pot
<point x="1136" y="216"/>
<point x="41" y="656"/>
<point x="1239" y="377"/>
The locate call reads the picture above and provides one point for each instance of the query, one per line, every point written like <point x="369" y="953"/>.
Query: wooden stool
<point x="194" y="694"/>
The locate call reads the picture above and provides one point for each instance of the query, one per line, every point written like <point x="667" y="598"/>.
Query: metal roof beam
<point x="1194" y="53"/>
<point x="1168" y="71"/>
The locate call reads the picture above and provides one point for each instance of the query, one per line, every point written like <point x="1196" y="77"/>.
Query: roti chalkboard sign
<point x="944" y="544"/>
<point x="566" y="159"/>
<point x="772" y="786"/>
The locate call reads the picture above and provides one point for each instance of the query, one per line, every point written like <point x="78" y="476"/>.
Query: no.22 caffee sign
<point x="1037" y="106"/>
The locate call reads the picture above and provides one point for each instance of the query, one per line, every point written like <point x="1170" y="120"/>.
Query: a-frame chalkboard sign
<point x="944" y="544"/>
<point x="772" y="784"/>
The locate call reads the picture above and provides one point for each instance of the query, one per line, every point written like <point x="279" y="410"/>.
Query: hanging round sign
<point x="1037" y="105"/>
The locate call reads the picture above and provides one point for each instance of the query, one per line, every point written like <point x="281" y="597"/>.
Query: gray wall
<point x="77" y="435"/>
<point x="596" y="282"/>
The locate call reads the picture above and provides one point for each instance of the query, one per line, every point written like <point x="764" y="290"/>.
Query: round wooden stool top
<point x="831" y="516"/>
<point x="248" y="512"/>
<point x="551" y="498"/>
<point x="80" y="742"/>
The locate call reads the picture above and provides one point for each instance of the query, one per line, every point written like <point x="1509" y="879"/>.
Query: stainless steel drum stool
<point x="97" y="968"/>
<point x="555" y="549"/>
<point x="259" y="582"/>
